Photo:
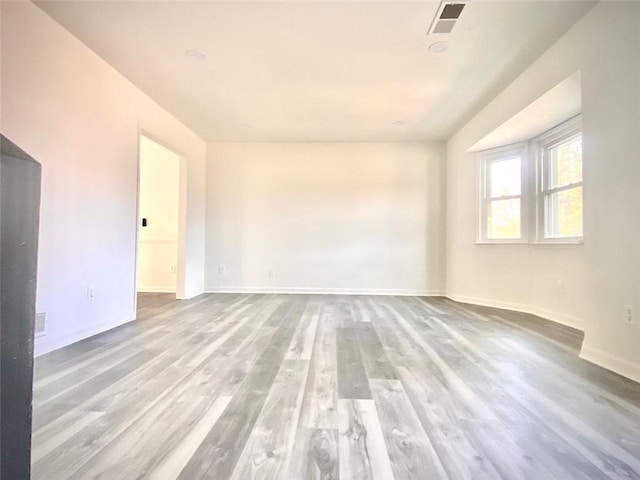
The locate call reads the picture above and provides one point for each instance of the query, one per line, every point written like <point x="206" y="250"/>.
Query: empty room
<point x="320" y="240"/>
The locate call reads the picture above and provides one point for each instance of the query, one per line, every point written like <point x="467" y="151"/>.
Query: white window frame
<point x="541" y="146"/>
<point x="495" y="155"/>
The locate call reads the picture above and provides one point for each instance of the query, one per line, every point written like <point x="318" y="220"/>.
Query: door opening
<point x="158" y="218"/>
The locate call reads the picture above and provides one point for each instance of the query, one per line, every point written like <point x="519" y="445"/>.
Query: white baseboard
<point x="326" y="291"/>
<point x="557" y="317"/>
<point x="189" y="295"/>
<point x="42" y="346"/>
<point x="156" y="289"/>
<point x="611" y="362"/>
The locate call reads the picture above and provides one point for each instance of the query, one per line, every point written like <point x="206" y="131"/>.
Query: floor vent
<point x="40" y="327"/>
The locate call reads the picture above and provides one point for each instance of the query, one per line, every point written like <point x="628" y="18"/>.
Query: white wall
<point x="602" y="275"/>
<point x="159" y="204"/>
<point x="80" y="118"/>
<point x="326" y="217"/>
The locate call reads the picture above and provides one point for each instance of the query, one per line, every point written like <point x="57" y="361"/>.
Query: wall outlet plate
<point x="629" y="319"/>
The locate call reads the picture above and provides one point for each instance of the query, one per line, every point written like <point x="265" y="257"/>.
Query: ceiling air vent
<point x="447" y="16"/>
<point x="451" y="11"/>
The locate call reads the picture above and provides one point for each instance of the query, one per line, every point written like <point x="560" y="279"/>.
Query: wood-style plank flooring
<point x="296" y="387"/>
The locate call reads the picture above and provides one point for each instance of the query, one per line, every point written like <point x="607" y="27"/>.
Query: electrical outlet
<point x="628" y="319"/>
<point x="272" y="272"/>
<point x="90" y="292"/>
<point x="560" y="286"/>
<point x="172" y="269"/>
<point x="222" y="269"/>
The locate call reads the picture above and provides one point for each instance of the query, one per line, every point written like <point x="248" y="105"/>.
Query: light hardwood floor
<point x="296" y="387"/>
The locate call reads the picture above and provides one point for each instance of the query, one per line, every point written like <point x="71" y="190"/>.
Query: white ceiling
<point x="560" y="103"/>
<point x="317" y="70"/>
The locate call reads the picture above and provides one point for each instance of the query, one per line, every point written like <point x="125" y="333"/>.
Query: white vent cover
<point x="447" y="16"/>
<point x="40" y="326"/>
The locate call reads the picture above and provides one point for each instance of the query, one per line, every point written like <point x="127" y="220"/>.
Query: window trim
<point x="485" y="158"/>
<point x="541" y="144"/>
<point x="532" y="194"/>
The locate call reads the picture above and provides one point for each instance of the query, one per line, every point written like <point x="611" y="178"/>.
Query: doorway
<point x="158" y="261"/>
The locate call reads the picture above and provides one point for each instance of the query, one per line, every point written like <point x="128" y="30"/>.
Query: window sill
<point x="560" y="241"/>
<point x="543" y="243"/>
<point x="501" y="242"/>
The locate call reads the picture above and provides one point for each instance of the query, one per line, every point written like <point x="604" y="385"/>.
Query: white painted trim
<point x="540" y="145"/>
<point x="158" y="240"/>
<point x="187" y="296"/>
<point x="557" y="317"/>
<point x="157" y="289"/>
<point x="485" y="158"/>
<point x="327" y="291"/>
<point x="611" y="362"/>
<point x="43" y="347"/>
<point x="180" y="242"/>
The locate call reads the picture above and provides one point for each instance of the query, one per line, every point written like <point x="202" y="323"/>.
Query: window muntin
<point x="505" y="177"/>
<point x="560" y="196"/>
<point x="535" y="186"/>
<point x="563" y="212"/>
<point x="503" y="219"/>
<point x="501" y="216"/>
<point x="565" y="162"/>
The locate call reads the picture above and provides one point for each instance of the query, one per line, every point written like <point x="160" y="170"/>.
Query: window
<point x="560" y="192"/>
<point x="502" y="202"/>
<point x="548" y="171"/>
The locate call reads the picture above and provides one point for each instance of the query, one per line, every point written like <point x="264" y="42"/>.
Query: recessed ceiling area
<point x="316" y="70"/>
<point x="560" y="103"/>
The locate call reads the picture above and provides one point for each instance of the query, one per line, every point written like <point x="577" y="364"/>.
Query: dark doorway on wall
<point x="19" y="219"/>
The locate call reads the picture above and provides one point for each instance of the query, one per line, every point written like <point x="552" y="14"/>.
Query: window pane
<point x="565" y="163"/>
<point x="503" y="219"/>
<point x="504" y="176"/>
<point x="564" y="213"/>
